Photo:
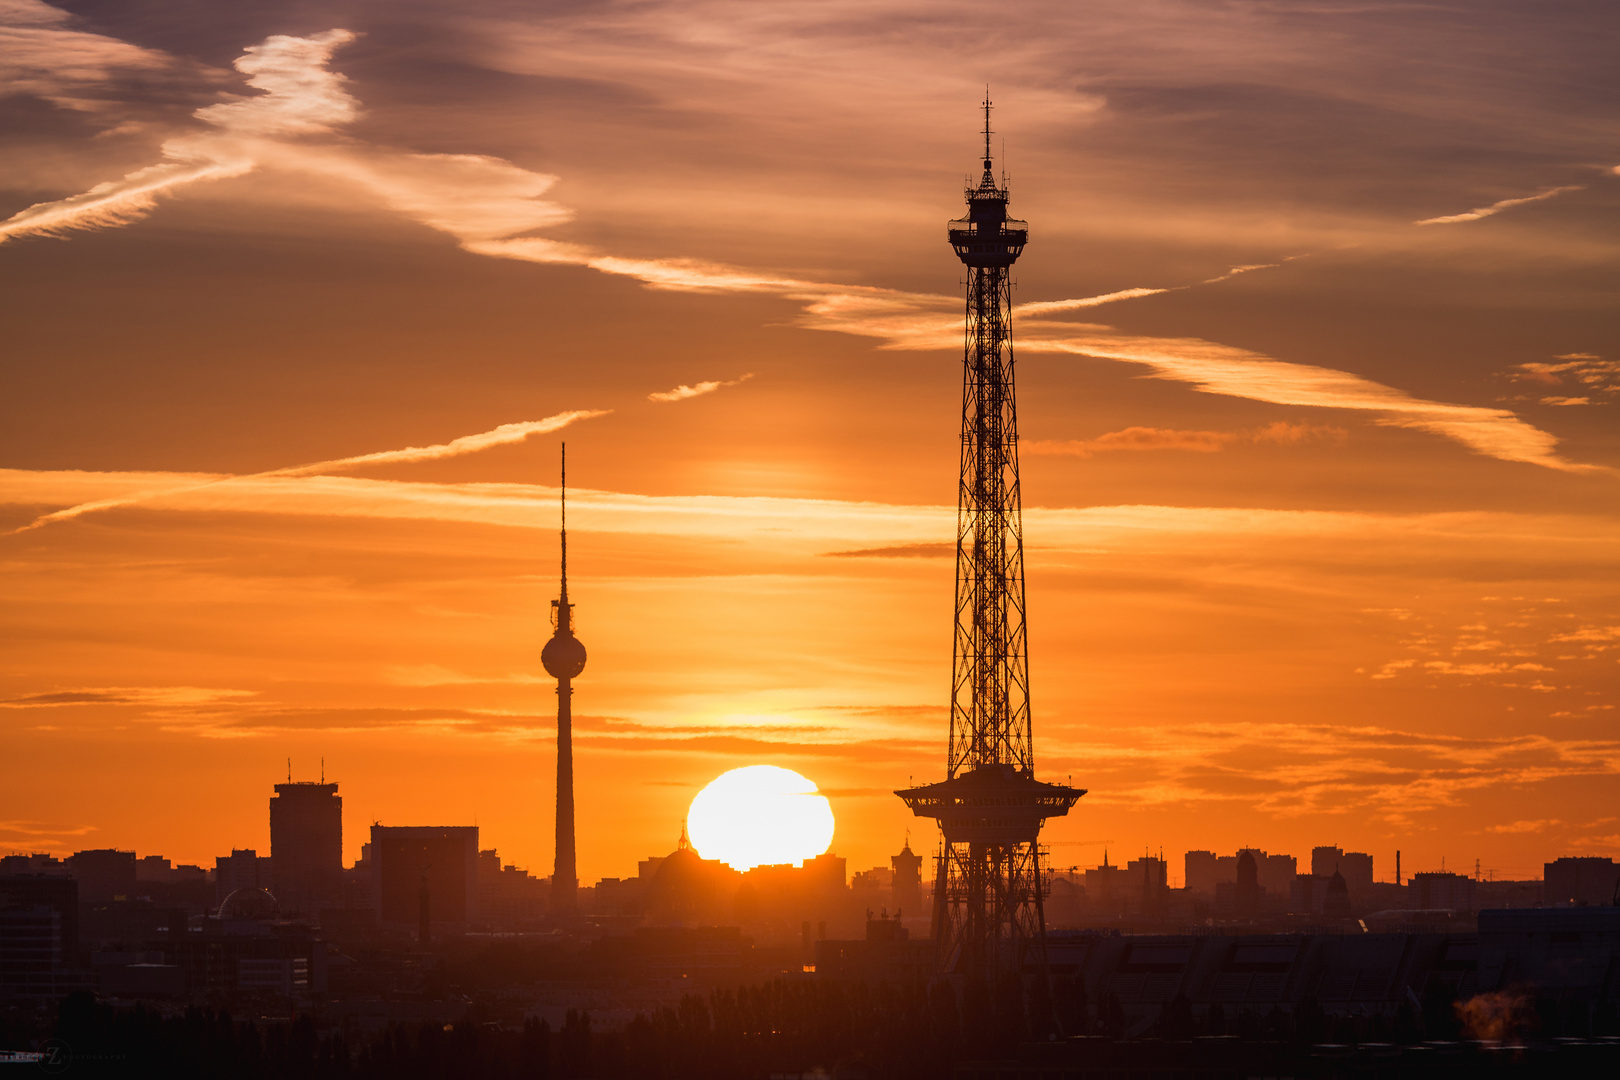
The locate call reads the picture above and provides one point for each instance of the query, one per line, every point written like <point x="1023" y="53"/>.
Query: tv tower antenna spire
<point x="564" y="658"/>
<point x="989" y="918"/>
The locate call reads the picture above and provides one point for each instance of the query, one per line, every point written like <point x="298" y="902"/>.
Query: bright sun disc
<point x="760" y="816"/>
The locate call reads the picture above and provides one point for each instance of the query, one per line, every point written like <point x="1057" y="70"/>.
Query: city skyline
<point x="1319" y="362"/>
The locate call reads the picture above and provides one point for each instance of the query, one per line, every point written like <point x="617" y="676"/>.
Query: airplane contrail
<point x="466" y="444"/>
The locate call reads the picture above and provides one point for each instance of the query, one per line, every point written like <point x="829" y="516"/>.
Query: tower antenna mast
<point x="989" y="890"/>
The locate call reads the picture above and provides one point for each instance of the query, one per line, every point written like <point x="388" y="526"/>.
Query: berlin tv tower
<point x="564" y="658"/>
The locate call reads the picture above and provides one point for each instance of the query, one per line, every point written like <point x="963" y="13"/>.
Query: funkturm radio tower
<point x="988" y="888"/>
<point x="564" y="659"/>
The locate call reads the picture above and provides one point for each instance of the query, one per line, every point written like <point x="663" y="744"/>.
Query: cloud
<point x="487" y="204"/>
<point x="1584" y="371"/>
<point x="683" y="392"/>
<point x="471" y="197"/>
<point x="1383" y="774"/>
<point x="1045" y="307"/>
<point x="901" y="551"/>
<point x="1592" y="634"/>
<point x="127" y="695"/>
<point x="466" y="444"/>
<point x="41" y="57"/>
<point x="1236" y="270"/>
<point x="1541" y="825"/>
<point x="301" y="97"/>
<point x="1203" y="442"/>
<point x="1498" y="207"/>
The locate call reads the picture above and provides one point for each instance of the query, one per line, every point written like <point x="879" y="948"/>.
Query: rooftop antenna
<point x="987" y="120"/>
<point x="289" y="770"/>
<point x="323" y="770"/>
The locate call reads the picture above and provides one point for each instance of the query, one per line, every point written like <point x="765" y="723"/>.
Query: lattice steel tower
<point x="988" y="892"/>
<point x="564" y="659"/>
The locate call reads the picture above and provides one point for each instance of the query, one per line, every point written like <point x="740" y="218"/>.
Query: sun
<point x="760" y="815"/>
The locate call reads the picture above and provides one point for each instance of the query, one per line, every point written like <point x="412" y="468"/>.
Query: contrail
<point x="467" y="444"/>
<point x="683" y="391"/>
<point x="1497" y="207"/>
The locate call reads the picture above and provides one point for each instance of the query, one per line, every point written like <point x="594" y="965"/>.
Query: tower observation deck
<point x="988" y="891"/>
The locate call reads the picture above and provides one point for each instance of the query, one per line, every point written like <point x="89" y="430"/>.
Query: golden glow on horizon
<point x="760" y="815"/>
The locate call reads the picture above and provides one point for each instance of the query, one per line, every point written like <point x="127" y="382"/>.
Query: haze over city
<point x="1318" y="362"/>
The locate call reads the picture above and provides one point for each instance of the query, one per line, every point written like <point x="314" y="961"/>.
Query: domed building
<point x="689" y="890"/>
<point x="250" y="904"/>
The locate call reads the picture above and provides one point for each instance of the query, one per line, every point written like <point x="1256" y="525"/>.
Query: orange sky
<point x="1318" y="372"/>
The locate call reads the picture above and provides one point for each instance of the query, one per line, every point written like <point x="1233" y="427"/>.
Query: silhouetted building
<point x="1248" y="883"/>
<point x="1355" y="866"/>
<point x="1336" y="898"/>
<point x="887" y="954"/>
<point x="243" y="868"/>
<point x="306" y="844"/>
<point x="425" y="877"/>
<point x="1106" y="886"/>
<point x="513" y="899"/>
<point x="39" y="934"/>
<point x="1590" y="881"/>
<point x="1441" y="889"/>
<point x="1202" y="872"/>
<point x="906" y="887"/>
<point x="1149" y="881"/>
<point x="103" y="874"/>
<point x="25" y="865"/>
<point x="689" y="890"/>
<point x="1208" y="872"/>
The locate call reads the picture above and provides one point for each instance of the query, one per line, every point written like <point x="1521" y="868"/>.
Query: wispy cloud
<point x="683" y="391"/>
<point x="469" y="196"/>
<point x="1587" y="372"/>
<point x="1539" y="825"/>
<point x="43" y="56"/>
<point x="488" y="205"/>
<point x="1498" y="207"/>
<point x="1046" y="307"/>
<point x="1204" y="442"/>
<point x="467" y="444"/>
<point x="301" y="97"/>
<point x="126" y="695"/>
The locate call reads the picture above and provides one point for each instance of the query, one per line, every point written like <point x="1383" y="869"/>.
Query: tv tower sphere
<point x="564" y="655"/>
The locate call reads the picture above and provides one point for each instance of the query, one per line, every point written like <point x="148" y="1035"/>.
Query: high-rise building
<point x="564" y="658"/>
<point x="103" y="874"/>
<point x="306" y="846"/>
<point x="1591" y="881"/>
<point x="243" y="868"/>
<point x="425" y="877"/>
<point x="1275" y="872"/>
<point x="906" y="883"/>
<point x="1355" y="866"/>
<point x="1202" y="872"/>
<point x="988" y="891"/>
<point x="1442" y="889"/>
